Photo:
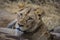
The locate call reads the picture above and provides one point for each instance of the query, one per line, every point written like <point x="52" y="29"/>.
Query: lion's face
<point x="28" y="19"/>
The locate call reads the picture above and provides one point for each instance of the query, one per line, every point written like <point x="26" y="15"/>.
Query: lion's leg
<point x="11" y="24"/>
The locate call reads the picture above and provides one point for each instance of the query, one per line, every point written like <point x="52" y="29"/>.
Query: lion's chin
<point x="23" y="29"/>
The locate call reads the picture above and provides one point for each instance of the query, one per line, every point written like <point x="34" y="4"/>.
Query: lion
<point x="29" y="21"/>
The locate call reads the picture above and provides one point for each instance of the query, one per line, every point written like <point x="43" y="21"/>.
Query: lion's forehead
<point x="34" y="9"/>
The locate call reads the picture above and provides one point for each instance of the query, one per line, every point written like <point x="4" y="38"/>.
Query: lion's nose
<point x="20" y="25"/>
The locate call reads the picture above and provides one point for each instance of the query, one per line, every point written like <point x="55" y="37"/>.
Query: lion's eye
<point x="30" y="18"/>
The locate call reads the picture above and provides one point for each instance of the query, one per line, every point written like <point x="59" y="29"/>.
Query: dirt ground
<point x="6" y="17"/>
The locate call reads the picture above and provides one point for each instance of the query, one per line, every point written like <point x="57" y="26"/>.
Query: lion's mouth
<point x="20" y="25"/>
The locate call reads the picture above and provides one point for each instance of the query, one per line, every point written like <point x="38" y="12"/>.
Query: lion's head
<point x="29" y="18"/>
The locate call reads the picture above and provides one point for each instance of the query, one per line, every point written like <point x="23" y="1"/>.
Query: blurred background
<point x="9" y="9"/>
